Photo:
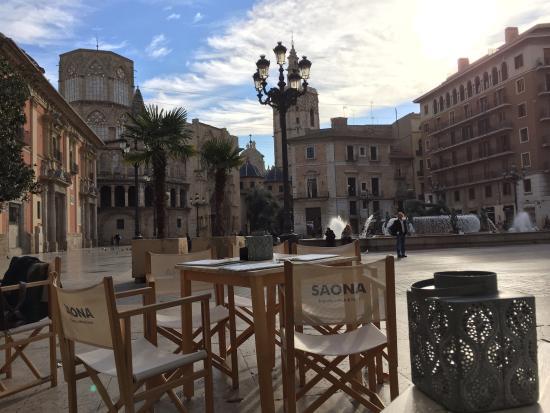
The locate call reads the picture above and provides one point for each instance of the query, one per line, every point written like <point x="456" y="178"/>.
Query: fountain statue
<point x="337" y="224"/>
<point x="522" y="223"/>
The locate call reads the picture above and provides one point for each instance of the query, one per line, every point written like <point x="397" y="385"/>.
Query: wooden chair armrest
<point x="15" y="287"/>
<point x="161" y="306"/>
<point x="131" y="293"/>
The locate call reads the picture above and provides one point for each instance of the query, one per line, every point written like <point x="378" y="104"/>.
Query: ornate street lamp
<point x="282" y="98"/>
<point x="197" y="202"/>
<point x="514" y="176"/>
<point x="125" y="147"/>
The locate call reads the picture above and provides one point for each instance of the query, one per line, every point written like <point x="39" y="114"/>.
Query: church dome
<point x="274" y="174"/>
<point x="249" y="170"/>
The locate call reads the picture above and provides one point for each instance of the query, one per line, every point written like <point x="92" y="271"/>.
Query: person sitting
<point x="346" y="235"/>
<point x="330" y="237"/>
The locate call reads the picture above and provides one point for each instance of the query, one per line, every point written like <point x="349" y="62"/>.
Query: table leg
<point x="271" y="322"/>
<point x="187" y="333"/>
<point x="263" y="342"/>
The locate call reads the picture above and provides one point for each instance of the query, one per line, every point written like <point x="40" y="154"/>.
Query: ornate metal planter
<point x="473" y="348"/>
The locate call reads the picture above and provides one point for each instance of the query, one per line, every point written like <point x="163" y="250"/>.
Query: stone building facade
<point x="485" y="131"/>
<point x="100" y="86"/>
<point x="351" y="171"/>
<point x="63" y="150"/>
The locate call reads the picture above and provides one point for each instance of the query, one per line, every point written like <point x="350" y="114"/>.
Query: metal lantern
<point x="473" y="348"/>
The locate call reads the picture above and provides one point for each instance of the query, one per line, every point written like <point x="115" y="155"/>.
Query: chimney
<point x="463" y="63"/>
<point x="337" y="123"/>
<point x="510" y="34"/>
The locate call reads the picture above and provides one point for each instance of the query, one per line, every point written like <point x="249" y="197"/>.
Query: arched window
<point x="119" y="196"/>
<point x="441" y="106"/>
<point x="448" y="99"/>
<point x="485" y="80"/>
<point x="72" y="85"/>
<point x="183" y="198"/>
<point x="120" y="125"/>
<point x="478" y="84"/>
<point x="312" y="118"/>
<point x="104" y="163"/>
<point x="97" y="122"/>
<point x="173" y="198"/>
<point x="132" y="196"/>
<point x="148" y="196"/>
<point x="494" y="76"/>
<point x="504" y="71"/>
<point x="96" y="88"/>
<point x="461" y="93"/>
<point x="469" y="89"/>
<point x="434" y="104"/>
<point x="105" y="196"/>
<point x="120" y="87"/>
<point x="455" y="97"/>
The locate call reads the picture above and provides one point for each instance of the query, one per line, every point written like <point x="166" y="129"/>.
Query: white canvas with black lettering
<point x="325" y="295"/>
<point x="84" y="315"/>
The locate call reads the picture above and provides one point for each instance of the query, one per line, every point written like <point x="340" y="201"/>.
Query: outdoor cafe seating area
<point x="327" y="316"/>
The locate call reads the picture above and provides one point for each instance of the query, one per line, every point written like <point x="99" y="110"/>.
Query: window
<point x="97" y="122"/>
<point x="13" y="214"/>
<point x="522" y="110"/>
<point x="297" y="120"/>
<point x="120" y="224"/>
<point x="183" y="198"/>
<point x="520" y="85"/>
<point x="38" y="210"/>
<point x="178" y="222"/>
<point x="119" y="196"/>
<point x="453" y="137"/>
<point x="477" y="83"/>
<point x="467" y="111"/>
<point x="311" y="187"/>
<point x="457" y="196"/>
<point x="471" y="193"/>
<point x="364" y="204"/>
<point x="375" y="186"/>
<point x="349" y="153"/>
<point x="524" y="135"/>
<point x="132" y="196"/>
<point x="426" y="109"/>
<point x="374" y="153"/>
<point x="362" y="151"/>
<point x="454" y="157"/>
<point x="375" y="206"/>
<point x="448" y="99"/>
<point x="241" y="185"/>
<point x="527" y="186"/>
<point x="434" y="104"/>
<point x="352" y="187"/>
<point x="485" y="80"/>
<point x="149" y="195"/>
<point x="518" y="61"/>
<point x="252" y="184"/>
<point x="526" y="159"/>
<point x="441" y="106"/>
<point x="363" y="187"/>
<point x="488" y="191"/>
<point x="352" y="207"/>
<point x="494" y="76"/>
<point x="483" y="104"/>
<point x="504" y="71"/>
<point x="506" y="188"/>
<point x="461" y="92"/>
<point x="455" y="97"/>
<point x="310" y="152"/>
<point x="311" y="118"/>
<point x="452" y="117"/>
<point x="469" y="153"/>
<point x="428" y="163"/>
<point x="280" y="188"/>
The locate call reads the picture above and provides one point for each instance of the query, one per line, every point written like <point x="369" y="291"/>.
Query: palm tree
<point x="163" y="135"/>
<point x="221" y="156"/>
<point x="262" y="210"/>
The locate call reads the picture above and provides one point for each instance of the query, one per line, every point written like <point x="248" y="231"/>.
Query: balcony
<point x="544" y="114"/>
<point x="50" y="171"/>
<point x="543" y="63"/>
<point x="57" y="155"/>
<point x="445" y="166"/>
<point x="543" y="89"/>
<point x="313" y="195"/>
<point x="87" y="187"/>
<point x="546" y="141"/>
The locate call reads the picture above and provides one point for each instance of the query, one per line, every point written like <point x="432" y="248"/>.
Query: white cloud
<point x="40" y="23"/>
<point x="198" y="17"/>
<point x="382" y="51"/>
<point x="173" y="16"/>
<point x="158" y="47"/>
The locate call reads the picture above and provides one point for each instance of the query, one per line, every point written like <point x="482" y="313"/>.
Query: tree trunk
<point x="159" y="178"/>
<point x="219" y="190"/>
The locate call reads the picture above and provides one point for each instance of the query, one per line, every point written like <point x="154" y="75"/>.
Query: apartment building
<point x="486" y="131"/>
<point x="350" y="171"/>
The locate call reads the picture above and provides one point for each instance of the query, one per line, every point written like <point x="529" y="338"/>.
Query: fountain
<point x="366" y="226"/>
<point x="522" y="223"/>
<point x="441" y="224"/>
<point x="337" y="224"/>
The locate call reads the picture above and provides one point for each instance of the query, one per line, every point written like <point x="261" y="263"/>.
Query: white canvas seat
<point x="355" y="296"/>
<point x="147" y="360"/>
<point x="29" y="327"/>
<point x="347" y="250"/>
<point x="218" y="314"/>
<point x="90" y="316"/>
<point x="360" y="340"/>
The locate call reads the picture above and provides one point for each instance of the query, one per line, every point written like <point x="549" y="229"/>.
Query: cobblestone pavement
<point x="524" y="269"/>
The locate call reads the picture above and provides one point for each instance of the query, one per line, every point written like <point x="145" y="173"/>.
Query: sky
<point x="371" y="58"/>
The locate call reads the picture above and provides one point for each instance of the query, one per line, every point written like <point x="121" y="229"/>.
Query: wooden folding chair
<point x="352" y="249"/>
<point x="16" y="340"/>
<point x="90" y="316"/>
<point x="321" y="296"/>
<point x="281" y="248"/>
<point x="165" y="281"/>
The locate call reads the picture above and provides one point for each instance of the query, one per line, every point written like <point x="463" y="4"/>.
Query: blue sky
<point x="369" y="57"/>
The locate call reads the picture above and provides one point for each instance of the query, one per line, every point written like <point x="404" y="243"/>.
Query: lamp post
<point x="282" y="98"/>
<point x="197" y="202"/>
<point x="125" y="146"/>
<point x="514" y="176"/>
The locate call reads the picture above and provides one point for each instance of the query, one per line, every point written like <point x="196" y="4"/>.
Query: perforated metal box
<point x="473" y="353"/>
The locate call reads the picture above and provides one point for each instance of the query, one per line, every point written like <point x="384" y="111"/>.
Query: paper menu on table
<point x="211" y="263"/>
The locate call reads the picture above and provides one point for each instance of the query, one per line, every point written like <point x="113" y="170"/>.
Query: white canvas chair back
<point x="165" y="273"/>
<point x="84" y="315"/>
<point x="347" y="250"/>
<point x="325" y="295"/>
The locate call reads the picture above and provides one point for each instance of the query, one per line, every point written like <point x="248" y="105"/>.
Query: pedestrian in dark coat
<point x="330" y="236"/>
<point x="400" y="229"/>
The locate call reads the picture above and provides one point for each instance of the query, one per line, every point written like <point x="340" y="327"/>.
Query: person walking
<point x="330" y="236"/>
<point x="400" y="228"/>
<point x="346" y="235"/>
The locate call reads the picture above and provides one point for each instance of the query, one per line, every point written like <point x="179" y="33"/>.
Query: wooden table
<point x="264" y="327"/>
<point x="413" y="400"/>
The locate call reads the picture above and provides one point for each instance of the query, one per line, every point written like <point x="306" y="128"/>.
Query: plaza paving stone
<point x="524" y="269"/>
